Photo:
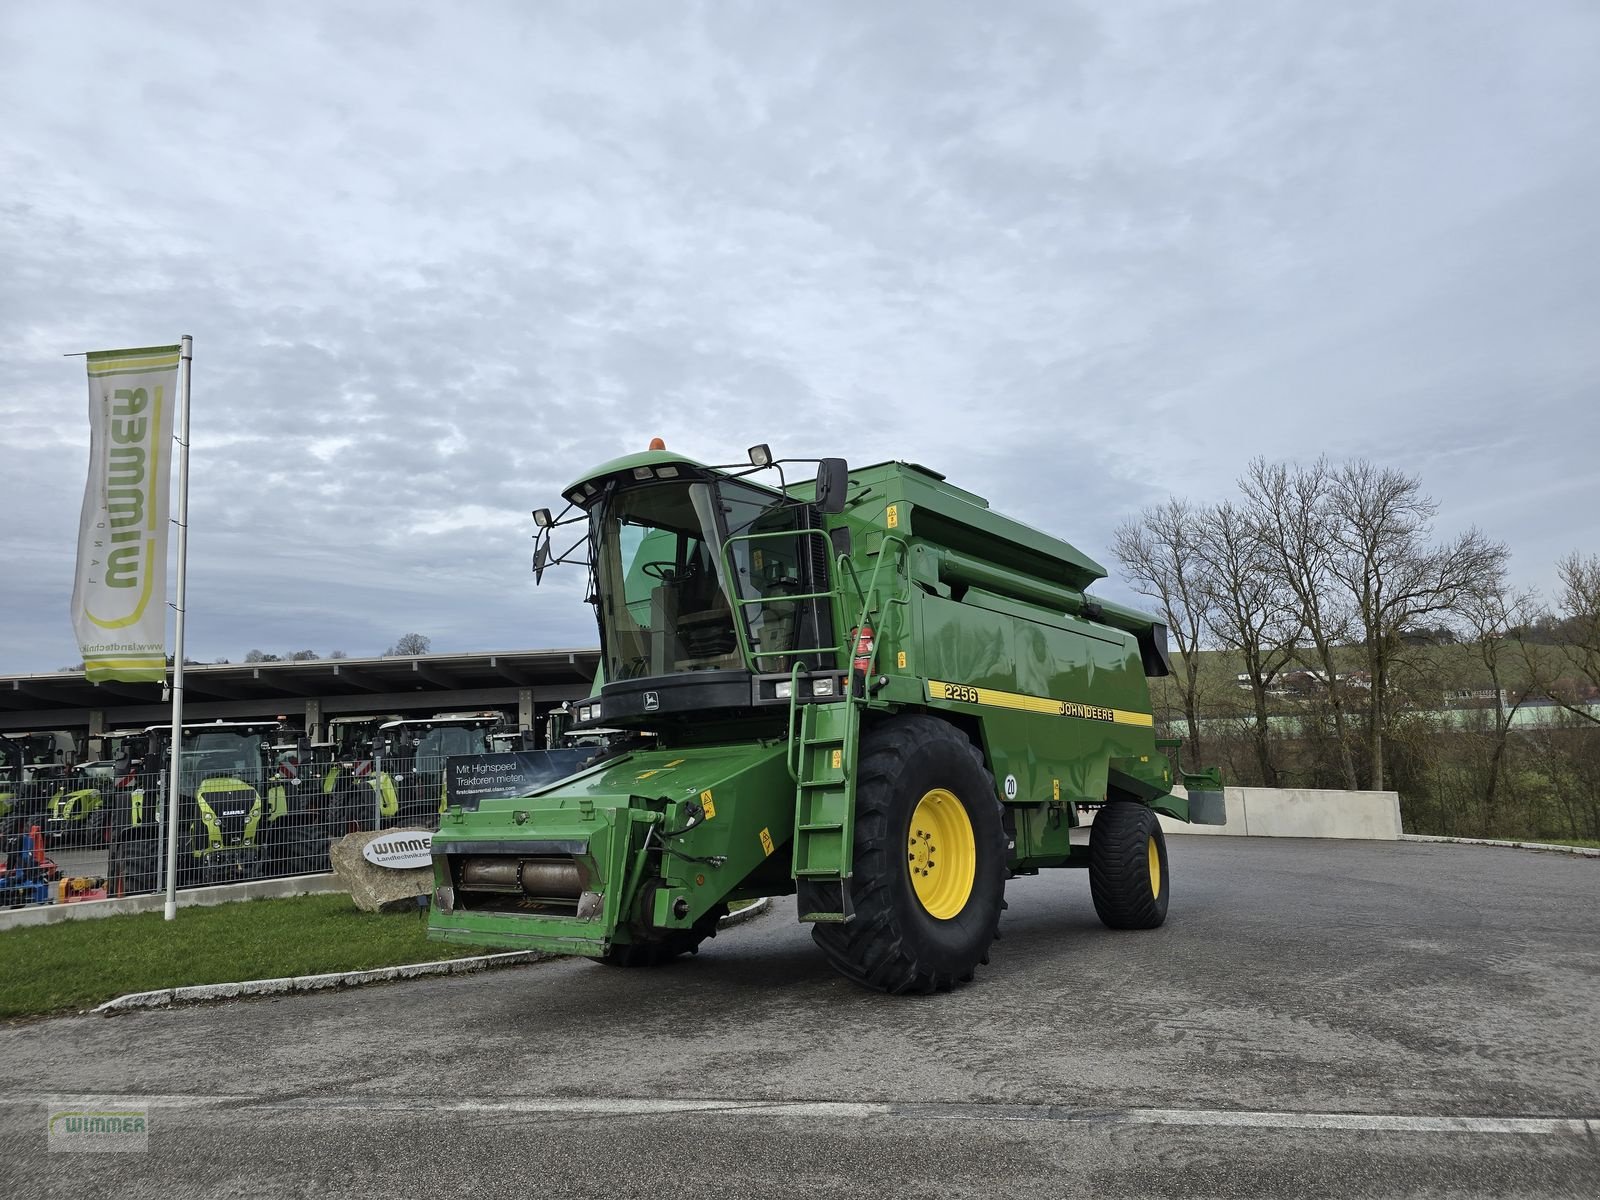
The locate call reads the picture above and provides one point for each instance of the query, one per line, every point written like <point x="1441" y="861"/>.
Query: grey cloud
<point x="1074" y="256"/>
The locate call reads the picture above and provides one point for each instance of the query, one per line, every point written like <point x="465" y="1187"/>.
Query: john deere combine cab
<point x="871" y="690"/>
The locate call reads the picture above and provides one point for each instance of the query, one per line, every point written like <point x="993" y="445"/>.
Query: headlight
<point x="783" y="689"/>
<point x="822" y="687"/>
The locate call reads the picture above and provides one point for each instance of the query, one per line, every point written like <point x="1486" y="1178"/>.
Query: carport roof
<point x="302" y="680"/>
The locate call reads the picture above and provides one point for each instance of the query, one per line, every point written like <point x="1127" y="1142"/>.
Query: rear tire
<point x="929" y="866"/>
<point x="1128" y="877"/>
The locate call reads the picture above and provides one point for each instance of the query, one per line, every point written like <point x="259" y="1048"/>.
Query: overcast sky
<point x="439" y="259"/>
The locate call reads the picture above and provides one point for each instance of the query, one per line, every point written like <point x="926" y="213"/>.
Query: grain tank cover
<point x="963" y="521"/>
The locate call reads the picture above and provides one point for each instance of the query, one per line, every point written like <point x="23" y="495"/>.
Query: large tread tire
<point x="1120" y="879"/>
<point x="673" y="944"/>
<point x="294" y="850"/>
<point x="894" y="944"/>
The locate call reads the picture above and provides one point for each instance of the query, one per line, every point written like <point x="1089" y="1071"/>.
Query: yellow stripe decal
<point x="964" y="694"/>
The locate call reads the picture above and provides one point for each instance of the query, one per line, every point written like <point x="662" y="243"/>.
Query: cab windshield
<point x="665" y="602"/>
<point x="439" y="744"/>
<point x="220" y="754"/>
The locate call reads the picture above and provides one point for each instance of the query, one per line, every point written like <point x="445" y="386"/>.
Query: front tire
<point x="1128" y="877"/>
<point x="673" y="944"/>
<point x="929" y="866"/>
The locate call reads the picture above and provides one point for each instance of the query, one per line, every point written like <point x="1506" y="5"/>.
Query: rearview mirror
<point x="833" y="479"/>
<point x="541" y="557"/>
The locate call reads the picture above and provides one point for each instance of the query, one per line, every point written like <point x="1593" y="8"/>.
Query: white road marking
<point x="1413" y="1123"/>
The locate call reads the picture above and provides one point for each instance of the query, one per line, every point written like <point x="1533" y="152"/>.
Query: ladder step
<point x="834" y="826"/>
<point x="818" y="872"/>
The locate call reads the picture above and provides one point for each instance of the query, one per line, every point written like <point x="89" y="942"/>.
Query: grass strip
<point x="78" y="964"/>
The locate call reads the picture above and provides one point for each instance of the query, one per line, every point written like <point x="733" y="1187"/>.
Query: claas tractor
<point x="75" y="812"/>
<point x="12" y="754"/>
<point x="235" y="819"/>
<point x="867" y="689"/>
<point x="356" y="793"/>
<point x="411" y="754"/>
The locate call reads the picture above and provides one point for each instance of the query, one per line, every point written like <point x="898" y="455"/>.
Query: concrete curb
<point x="746" y="914"/>
<point x="1578" y="851"/>
<point x="311" y="983"/>
<point x="199" y="993"/>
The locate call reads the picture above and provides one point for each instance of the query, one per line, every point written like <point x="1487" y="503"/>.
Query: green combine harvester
<point x="869" y="690"/>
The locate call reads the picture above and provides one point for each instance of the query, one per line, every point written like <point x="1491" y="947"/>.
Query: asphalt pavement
<point x="1315" y="1019"/>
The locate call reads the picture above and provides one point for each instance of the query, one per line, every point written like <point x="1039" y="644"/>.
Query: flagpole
<point x="186" y="356"/>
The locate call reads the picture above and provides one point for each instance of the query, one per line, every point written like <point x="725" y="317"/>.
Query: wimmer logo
<point x="131" y="506"/>
<point x="403" y="850"/>
<point x="99" y="1131"/>
<point x="119" y="590"/>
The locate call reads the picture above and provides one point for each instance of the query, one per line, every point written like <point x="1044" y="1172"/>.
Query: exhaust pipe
<point x="552" y="878"/>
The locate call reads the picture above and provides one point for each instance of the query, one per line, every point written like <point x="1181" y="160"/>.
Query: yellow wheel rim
<point x="942" y="854"/>
<point x="1152" y="854"/>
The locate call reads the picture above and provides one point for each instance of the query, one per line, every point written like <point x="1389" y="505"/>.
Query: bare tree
<point x="1160" y="560"/>
<point x="260" y="656"/>
<point x="1251" y="610"/>
<point x="1289" y="510"/>
<point x="304" y="656"/>
<point x="411" y="643"/>
<point x="1491" y="615"/>
<point x="1380" y="529"/>
<point x="1575" y="662"/>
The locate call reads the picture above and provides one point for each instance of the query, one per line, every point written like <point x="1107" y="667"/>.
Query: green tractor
<point x="357" y="794"/>
<point x="75" y="813"/>
<point x="411" y="754"/>
<point x="41" y="784"/>
<point x="238" y="817"/>
<point x="12" y="755"/>
<point x="869" y="690"/>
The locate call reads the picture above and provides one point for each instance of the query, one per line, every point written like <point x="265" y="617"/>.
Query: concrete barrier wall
<point x="1295" y="812"/>
<point x="1302" y="812"/>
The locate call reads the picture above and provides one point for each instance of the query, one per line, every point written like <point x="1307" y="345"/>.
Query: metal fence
<point x="71" y="837"/>
<point x="71" y="834"/>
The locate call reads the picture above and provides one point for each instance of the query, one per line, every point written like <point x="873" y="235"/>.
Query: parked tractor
<point x="869" y="690"/>
<point x="40" y="784"/>
<point x="75" y="812"/>
<point x="357" y="793"/>
<point x="240" y="816"/>
<point x="12" y="754"/>
<point x="411" y="753"/>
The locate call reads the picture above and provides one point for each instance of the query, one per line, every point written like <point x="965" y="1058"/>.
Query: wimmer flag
<point x="119" y="599"/>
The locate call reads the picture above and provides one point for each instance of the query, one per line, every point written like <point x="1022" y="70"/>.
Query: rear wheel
<point x="1128" y="876"/>
<point x="929" y="865"/>
<point x="295" y="851"/>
